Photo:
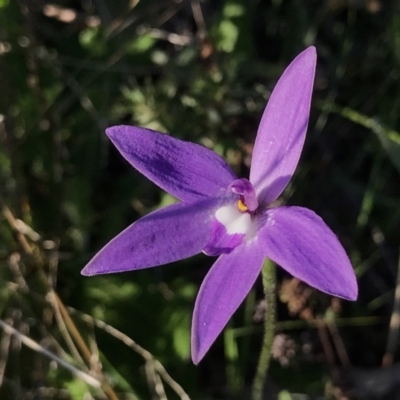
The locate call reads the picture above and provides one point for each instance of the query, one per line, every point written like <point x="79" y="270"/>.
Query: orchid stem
<point x="268" y="276"/>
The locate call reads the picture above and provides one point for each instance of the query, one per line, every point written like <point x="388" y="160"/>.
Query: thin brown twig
<point x="339" y="345"/>
<point x="326" y="344"/>
<point x="14" y="288"/>
<point x="145" y="354"/>
<point x="23" y="286"/>
<point x="27" y="341"/>
<point x="73" y="329"/>
<point x="199" y="19"/>
<point x="83" y="347"/>
<point x="148" y="357"/>
<point x="63" y="328"/>
<point x="394" y="325"/>
<point x="173" y="38"/>
<point x="4" y="351"/>
<point x="154" y="382"/>
<point x="13" y="262"/>
<point x="68" y="321"/>
<point x="20" y="236"/>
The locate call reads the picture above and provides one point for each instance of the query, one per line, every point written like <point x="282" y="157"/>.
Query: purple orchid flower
<point x="228" y="217"/>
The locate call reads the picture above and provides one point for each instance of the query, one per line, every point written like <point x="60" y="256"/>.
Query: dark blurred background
<point x="201" y="71"/>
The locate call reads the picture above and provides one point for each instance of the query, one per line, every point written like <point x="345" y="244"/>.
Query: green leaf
<point x="284" y="395"/>
<point x="180" y="320"/>
<point x="228" y="34"/>
<point x="77" y="389"/>
<point x="141" y="44"/>
<point x="389" y="139"/>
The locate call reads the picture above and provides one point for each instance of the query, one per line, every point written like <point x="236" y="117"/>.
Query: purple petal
<point x="166" y="235"/>
<point x="282" y="128"/>
<point x="299" y="241"/>
<point x="186" y="170"/>
<point x="222" y="291"/>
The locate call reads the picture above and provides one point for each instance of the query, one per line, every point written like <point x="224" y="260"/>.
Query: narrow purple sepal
<point x="222" y="291"/>
<point x="163" y="236"/>
<point x="282" y="129"/>
<point x="301" y="243"/>
<point x="186" y="170"/>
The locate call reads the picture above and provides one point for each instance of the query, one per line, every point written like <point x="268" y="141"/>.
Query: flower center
<point x="234" y="222"/>
<point x="247" y="195"/>
<point x="241" y="206"/>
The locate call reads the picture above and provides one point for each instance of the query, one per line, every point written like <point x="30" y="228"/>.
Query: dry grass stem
<point x="38" y="348"/>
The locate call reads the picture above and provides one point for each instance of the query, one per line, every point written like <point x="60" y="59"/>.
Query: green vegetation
<point x="201" y="71"/>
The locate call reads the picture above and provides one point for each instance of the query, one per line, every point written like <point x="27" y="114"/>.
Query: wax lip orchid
<point x="224" y="216"/>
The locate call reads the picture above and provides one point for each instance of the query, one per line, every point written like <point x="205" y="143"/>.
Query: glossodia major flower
<point x="224" y="216"/>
